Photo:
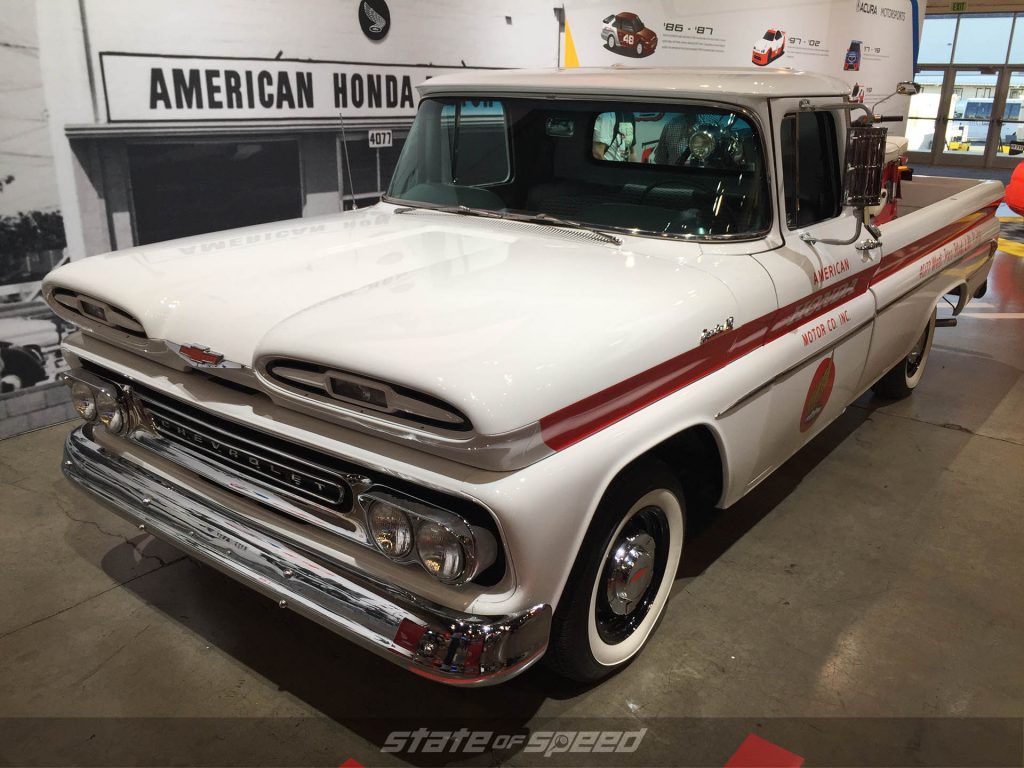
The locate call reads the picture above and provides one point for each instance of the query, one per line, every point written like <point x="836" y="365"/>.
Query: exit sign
<point x="958" y="7"/>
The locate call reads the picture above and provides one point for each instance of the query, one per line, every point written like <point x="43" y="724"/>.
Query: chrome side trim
<point x="433" y="641"/>
<point x="795" y="366"/>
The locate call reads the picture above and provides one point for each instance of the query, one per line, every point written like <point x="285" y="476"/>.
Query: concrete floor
<point x="862" y="607"/>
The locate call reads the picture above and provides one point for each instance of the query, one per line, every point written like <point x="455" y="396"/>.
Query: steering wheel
<point x="701" y="204"/>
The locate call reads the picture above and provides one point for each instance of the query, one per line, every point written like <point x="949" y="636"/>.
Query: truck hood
<point x="507" y="321"/>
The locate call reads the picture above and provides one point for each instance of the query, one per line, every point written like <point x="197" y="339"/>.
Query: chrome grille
<point x="265" y="465"/>
<point x="92" y="310"/>
<point x="327" y="385"/>
<point x="257" y="470"/>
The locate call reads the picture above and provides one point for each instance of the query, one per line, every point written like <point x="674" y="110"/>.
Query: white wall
<point x="722" y="33"/>
<point x="441" y="32"/>
<point x="68" y="100"/>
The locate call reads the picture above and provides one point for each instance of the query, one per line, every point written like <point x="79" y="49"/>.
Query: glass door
<point x="970" y="123"/>
<point x="923" y="123"/>
<point x="1010" y="148"/>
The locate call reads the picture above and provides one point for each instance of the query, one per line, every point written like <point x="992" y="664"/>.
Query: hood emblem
<point x="200" y="356"/>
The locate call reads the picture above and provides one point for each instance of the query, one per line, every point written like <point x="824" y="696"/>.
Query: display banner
<point x="142" y="87"/>
<point x="868" y="44"/>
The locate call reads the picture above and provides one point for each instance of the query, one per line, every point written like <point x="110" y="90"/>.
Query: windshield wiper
<point x="554" y="221"/>
<point x="464" y="210"/>
<point x="530" y="218"/>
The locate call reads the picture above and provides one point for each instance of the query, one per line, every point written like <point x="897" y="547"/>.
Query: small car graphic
<point x="852" y="61"/>
<point x="769" y="47"/>
<point x="626" y="34"/>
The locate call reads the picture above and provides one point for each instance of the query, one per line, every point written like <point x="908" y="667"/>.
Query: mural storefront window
<point x="31" y="244"/>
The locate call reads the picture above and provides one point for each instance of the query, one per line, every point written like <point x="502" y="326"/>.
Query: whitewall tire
<point x="904" y="377"/>
<point x="623" y="574"/>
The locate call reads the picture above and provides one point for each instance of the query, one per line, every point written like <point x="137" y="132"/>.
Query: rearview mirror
<point x="865" y="156"/>
<point x="908" y="88"/>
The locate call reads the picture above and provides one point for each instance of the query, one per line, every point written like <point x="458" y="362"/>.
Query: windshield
<point x="697" y="170"/>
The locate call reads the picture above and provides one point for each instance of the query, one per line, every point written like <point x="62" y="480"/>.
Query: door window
<point x="810" y="168"/>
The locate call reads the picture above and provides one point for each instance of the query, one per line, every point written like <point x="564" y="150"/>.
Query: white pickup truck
<point x="463" y="427"/>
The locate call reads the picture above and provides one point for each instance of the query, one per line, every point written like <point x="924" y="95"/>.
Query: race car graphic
<point x="626" y="34"/>
<point x="769" y="47"/>
<point x="852" y="61"/>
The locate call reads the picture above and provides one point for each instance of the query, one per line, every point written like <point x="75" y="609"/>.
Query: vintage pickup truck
<point x="463" y="427"/>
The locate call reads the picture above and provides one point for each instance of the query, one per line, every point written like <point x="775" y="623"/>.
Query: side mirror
<point x="865" y="157"/>
<point x="908" y="88"/>
<point x="862" y="183"/>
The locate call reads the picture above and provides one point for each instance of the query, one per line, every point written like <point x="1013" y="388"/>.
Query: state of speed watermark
<point x="546" y="743"/>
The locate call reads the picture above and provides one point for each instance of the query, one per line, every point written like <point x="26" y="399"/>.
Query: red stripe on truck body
<point x="573" y="423"/>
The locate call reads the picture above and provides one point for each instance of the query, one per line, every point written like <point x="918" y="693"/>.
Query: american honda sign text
<point x="146" y="87"/>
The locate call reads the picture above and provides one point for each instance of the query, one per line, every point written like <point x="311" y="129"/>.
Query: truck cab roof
<point x="659" y="82"/>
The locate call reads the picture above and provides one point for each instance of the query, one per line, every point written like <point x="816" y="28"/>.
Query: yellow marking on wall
<point x="571" y="59"/>
<point x="1012" y="247"/>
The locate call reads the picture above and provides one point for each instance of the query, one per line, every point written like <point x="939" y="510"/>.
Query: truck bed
<point x="923" y="191"/>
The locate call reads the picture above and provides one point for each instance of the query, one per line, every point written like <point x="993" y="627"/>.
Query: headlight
<point x="444" y="543"/>
<point x="84" y="402"/>
<point x="702" y="144"/>
<point x="440" y="551"/>
<point x="390" y="529"/>
<point x="110" y="411"/>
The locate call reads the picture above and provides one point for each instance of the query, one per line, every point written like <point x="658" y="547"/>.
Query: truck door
<point x="818" y="339"/>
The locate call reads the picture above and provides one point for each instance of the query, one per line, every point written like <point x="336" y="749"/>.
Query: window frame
<point x="831" y="137"/>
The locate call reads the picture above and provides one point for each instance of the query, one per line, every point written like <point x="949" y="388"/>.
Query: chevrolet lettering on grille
<point x="252" y="465"/>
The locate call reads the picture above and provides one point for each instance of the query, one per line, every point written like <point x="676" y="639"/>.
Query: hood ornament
<point x="199" y="356"/>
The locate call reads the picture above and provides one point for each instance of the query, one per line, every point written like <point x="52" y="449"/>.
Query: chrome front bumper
<point x="427" y="639"/>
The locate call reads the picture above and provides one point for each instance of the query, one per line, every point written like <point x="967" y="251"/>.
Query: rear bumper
<point x="428" y="639"/>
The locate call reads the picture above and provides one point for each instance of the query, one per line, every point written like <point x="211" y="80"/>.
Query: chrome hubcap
<point x="631" y="575"/>
<point x="632" y="569"/>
